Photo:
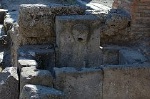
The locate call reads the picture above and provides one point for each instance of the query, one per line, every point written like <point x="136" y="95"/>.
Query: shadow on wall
<point x="87" y="1"/>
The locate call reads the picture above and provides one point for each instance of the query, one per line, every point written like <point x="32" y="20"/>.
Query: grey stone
<point x="37" y="20"/>
<point x="16" y="40"/>
<point x="117" y="28"/>
<point x="40" y="92"/>
<point x="130" y="56"/>
<point x="126" y="82"/>
<point x="117" y="19"/>
<point x="78" y="41"/>
<point x="83" y="84"/>
<point x="31" y="75"/>
<point x="9" y="83"/>
<point x="26" y="62"/>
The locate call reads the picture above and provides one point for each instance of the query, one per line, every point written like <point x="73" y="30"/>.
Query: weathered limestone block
<point x="40" y="92"/>
<point x="117" y="28"/>
<point x="126" y="82"/>
<point x="129" y="56"/>
<point x="83" y="84"/>
<point x="117" y="19"/>
<point x="26" y="62"/>
<point x="78" y="41"/>
<point x="44" y="55"/>
<point x="9" y="83"/>
<point x="31" y="75"/>
<point x="37" y="20"/>
<point x="15" y="39"/>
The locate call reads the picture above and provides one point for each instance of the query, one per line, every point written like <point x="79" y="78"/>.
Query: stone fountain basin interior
<point x="114" y="55"/>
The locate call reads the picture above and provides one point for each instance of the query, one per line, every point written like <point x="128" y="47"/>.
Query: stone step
<point x="40" y="92"/>
<point x="26" y="62"/>
<point x="32" y="75"/>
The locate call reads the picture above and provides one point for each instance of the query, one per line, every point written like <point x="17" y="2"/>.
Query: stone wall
<point x="36" y="22"/>
<point x="140" y="16"/>
<point x="116" y="29"/>
<point x="36" y="25"/>
<point x="140" y="21"/>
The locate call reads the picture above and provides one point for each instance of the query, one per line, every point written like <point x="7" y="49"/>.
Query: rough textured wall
<point x="140" y="21"/>
<point x="140" y="16"/>
<point x="37" y="22"/>
<point x="141" y="25"/>
<point x="116" y="29"/>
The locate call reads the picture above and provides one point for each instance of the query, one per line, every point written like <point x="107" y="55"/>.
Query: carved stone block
<point x="78" y="41"/>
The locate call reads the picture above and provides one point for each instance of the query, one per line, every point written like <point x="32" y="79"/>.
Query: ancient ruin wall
<point x="140" y="16"/>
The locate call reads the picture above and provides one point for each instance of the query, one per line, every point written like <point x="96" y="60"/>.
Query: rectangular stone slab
<point x="126" y="82"/>
<point x="78" y="41"/>
<point x="83" y="84"/>
<point x="31" y="75"/>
